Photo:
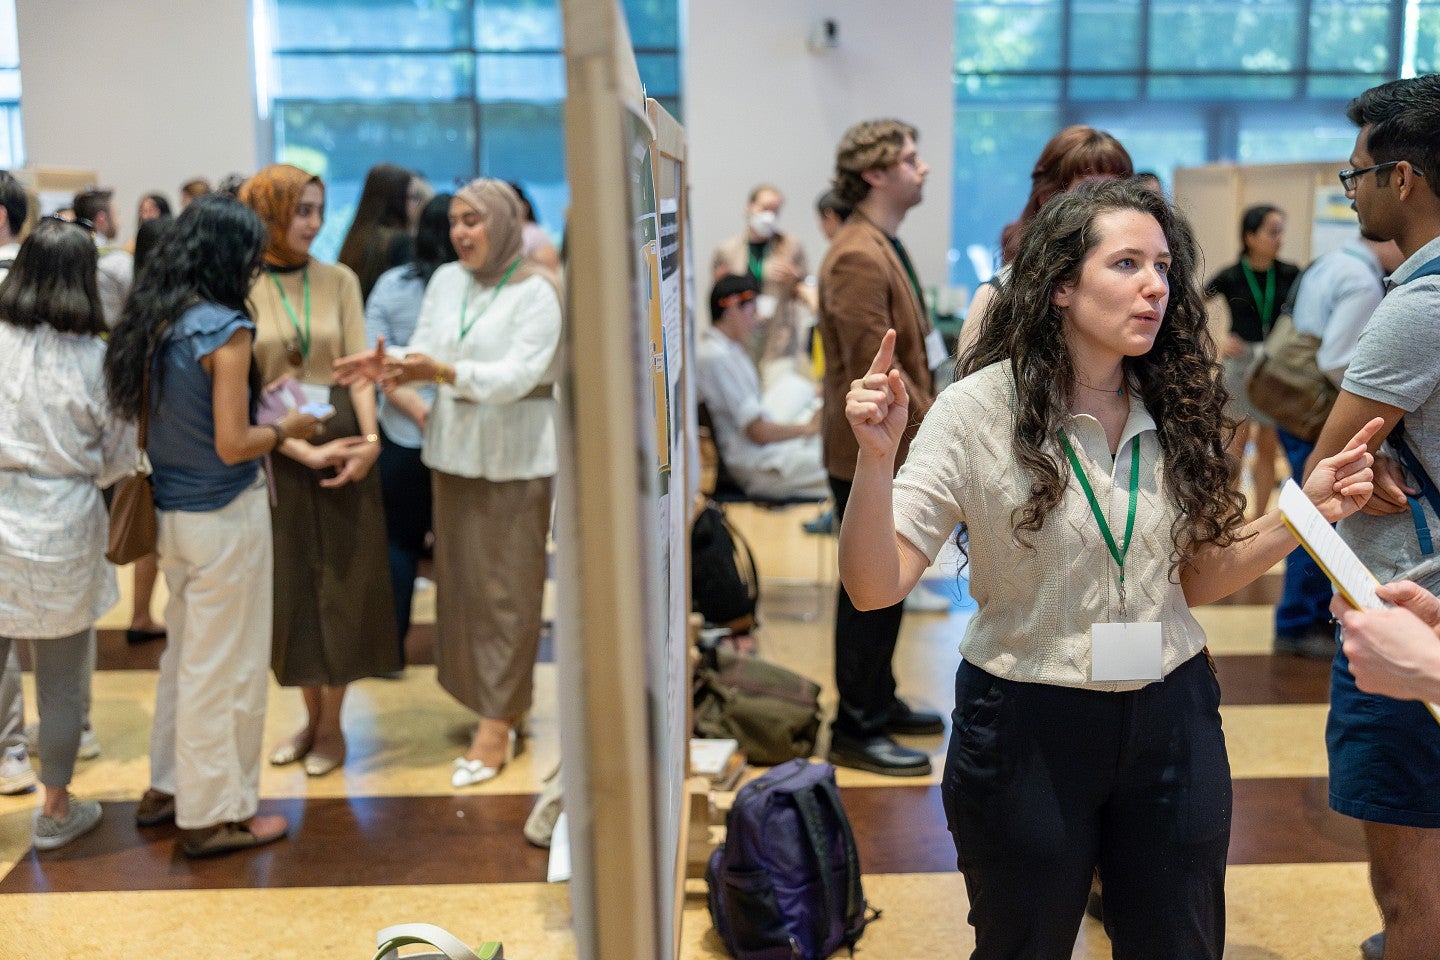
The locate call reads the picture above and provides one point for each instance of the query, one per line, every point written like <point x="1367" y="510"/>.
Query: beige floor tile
<point x="1286" y="912"/>
<point x="1276" y="741"/>
<point x="533" y="921"/>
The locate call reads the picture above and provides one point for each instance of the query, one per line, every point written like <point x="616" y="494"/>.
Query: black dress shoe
<point x="905" y="722"/>
<point x="878" y="754"/>
<point x="1374" y="946"/>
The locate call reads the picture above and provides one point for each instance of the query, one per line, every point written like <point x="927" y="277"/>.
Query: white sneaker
<point x="924" y="600"/>
<point x="89" y="743"/>
<point x="16" y="774"/>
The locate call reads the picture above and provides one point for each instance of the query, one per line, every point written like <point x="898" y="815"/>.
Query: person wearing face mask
<point x="488" y="337"/>
<point x="777" y="262"/>
<point x="334" y="617"/>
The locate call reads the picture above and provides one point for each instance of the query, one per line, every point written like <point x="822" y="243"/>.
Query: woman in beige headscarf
<point x="488" y="335"/>
<point x="334" y="618"/>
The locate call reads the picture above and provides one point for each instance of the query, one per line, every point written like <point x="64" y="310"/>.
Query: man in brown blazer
<point x="867" y="286"/>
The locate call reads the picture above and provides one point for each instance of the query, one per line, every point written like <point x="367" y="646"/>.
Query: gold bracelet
<point x="372" y="438"/>
<point x="440" y="377"/>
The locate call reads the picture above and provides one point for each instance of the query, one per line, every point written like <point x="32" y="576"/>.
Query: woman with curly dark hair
<point x="1083" y="454"/>
<point x="186" y="322"/>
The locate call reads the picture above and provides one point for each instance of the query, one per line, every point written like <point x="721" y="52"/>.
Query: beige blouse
<point x="337" y="321"/>
<point x="1037" y="605"/>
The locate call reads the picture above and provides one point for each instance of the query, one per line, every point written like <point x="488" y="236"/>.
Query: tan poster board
<point x="621" y="490"/>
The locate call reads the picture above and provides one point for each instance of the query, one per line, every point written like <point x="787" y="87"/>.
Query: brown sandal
<point x="228" y="838"/>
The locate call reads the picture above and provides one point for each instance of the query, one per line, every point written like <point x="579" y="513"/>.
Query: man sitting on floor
<point x="768" y="458"/>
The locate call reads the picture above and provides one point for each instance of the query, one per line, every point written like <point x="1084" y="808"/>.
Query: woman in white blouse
<point x="1082" y="455"/>
<point x="487" y="336"/>
<point x="59" y="444"/>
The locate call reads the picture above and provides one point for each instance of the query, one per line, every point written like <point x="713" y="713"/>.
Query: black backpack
<point x="724" y="587"/>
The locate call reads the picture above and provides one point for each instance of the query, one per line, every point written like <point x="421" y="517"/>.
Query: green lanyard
<point x="1117" y="552"/>
<point x="1263" y="304"/>
<point x="302" y="335"/>
<point x="757" y="266"/>
<point x="465" y="299"/>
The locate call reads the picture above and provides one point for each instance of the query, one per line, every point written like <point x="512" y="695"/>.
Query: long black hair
<point x="432" y="239"/>
<point x="210" y="253"/>
<point x="1251" y="221"/>
<point x="52" y="281"/>
<point x="1178" y="379"/>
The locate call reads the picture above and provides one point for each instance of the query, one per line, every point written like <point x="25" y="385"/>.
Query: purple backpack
<point x="785" y="884"/>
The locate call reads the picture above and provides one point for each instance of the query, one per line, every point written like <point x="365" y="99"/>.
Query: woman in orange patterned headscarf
<point x="334" y="618"/>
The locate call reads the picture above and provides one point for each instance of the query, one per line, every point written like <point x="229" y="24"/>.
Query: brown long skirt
<point x="334" y="613"/>
<point x="489" y="580"/>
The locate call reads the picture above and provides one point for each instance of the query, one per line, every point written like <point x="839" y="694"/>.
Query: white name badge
<point x="315" y="392"/>
<point x="935" y="352"/>
<point x="1126" y="652"/>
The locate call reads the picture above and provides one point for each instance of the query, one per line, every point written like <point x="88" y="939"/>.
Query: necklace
<point x="1118" y="391"/>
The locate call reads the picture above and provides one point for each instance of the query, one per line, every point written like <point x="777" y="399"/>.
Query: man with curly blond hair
<point x="868" y="285"/>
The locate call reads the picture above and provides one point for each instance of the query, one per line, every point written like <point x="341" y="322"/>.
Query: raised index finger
<point x="885" y="356"/>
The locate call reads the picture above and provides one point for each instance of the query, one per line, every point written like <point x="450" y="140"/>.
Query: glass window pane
<point x="992" y="88"/>
<point x="1105" y="35"/>
<point x="1003" y="35"/>
<point x="1155" y="141"/>
<point x="1104" y="88"/>
<point x="660" y="72"/>
<point x="9" y="35"/>
<point x="517" y="25"/>
<point x="1343" y="88"/>
<point x="1223" y="87"/>
<point x="12" y="144"/>
<point x="1246" y="35"/>
<point x="1427" y="37"/>
<point x="653" y="23"/>
<point x="523" y="141"/>
<point x="379" y="77"/>
<point x="1351" y="35"/>
<point x="995" y="148"/>
<point x="1295" y="132"/>
<point x="339" y="142"/>
<point x="535" y="77"/>
<point x="371" y="24"/>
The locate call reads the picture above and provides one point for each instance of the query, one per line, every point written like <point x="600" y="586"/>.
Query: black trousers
<point x="864" y="647"/>
<point x="1043" y="784"/>
<point x="405" y="489"/>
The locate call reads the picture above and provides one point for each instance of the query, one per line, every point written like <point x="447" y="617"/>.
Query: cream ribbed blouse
<point x="1037" y="605"/>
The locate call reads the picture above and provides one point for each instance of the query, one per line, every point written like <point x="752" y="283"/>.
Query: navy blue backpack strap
<point x="814" y="823"/>
<point x="1411" y="463"/>
<point x="1429" y="268"/>
<point x="854" y="895"/>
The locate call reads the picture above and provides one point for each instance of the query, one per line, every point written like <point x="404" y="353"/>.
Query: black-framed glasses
<point x="1348" y="178"/>
<point x="77" y="222"/>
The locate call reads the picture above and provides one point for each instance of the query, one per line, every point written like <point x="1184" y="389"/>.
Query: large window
<point x="12" y="146"/>
<point x="450" y="88"/>
<point x="1179" y="82"/>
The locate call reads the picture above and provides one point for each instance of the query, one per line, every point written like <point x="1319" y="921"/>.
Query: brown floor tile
<point x="362" y="841"/>
<point x="1267" y="679"/>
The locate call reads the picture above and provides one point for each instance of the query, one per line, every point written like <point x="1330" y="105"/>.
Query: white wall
<point x="149" y="93"/>
<point x="761" y="108"/>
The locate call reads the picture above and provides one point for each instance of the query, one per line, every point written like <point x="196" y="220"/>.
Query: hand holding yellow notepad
<point x="1349" y="574"/>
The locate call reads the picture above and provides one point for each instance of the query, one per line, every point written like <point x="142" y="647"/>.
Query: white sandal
<point x="470" y="772"/>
